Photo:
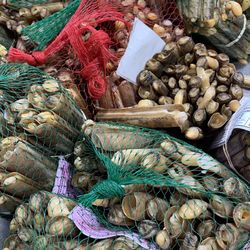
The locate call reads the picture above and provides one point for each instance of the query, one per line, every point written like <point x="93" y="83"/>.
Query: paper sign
<point x="143" y="44"/>
<point x="86" y="221"/>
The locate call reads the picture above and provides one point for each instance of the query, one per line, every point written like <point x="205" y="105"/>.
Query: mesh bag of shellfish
<point x="39" y="121"/>
<point x="107" y="31"/>
<point x="43" y="223"/>
<point x="162" y="192"/>
<point x="223" y="23"/>
<point x="17" y="4"/>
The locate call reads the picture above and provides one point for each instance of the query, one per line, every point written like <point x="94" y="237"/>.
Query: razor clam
<point x="227" y="236"/>
<point x="114" y="138"/>
<point x="163" y="240"/>
<point x="206" y="228"/>
<point x="211" y="183"/>
<point x="193" y="189"/>
<point x="209" y="243"/>
<point x="117" y="217"/>
<point x="192" y="209"/>
<point x="241" y="215"/>
<point x="134" y="205"/>
<point x="177" y="199"/>
<point x="221" y="206"/>
<point x="190" y="242"/>
<point x="174" y="224"/>
<point x="147" y="229"/>
<point x="156" y="209"/>
<point x="233" y="187"/>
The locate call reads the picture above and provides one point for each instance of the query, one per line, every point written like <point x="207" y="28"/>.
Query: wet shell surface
<point x="209" y="243"/>
<point x="221" y="206"/>
<point x="235" y="188"/>
<point x="148" y="229"/>
<point x="206" y="228"/>
<point x="134" y="205"/>
<point x="174" y="224"/>
<point x="192" y="209"/>
<point x="117" y="217"/>
<point x="241" y="215"/>
<point x="227" y="236"/>
<point x="193" y="189"/>
<point x="156" y="208"/>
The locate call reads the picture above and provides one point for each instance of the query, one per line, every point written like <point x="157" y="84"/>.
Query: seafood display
<point x="89" y="160"/>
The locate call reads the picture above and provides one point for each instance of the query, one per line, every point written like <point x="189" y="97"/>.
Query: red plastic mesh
<point x="89" y="42"/>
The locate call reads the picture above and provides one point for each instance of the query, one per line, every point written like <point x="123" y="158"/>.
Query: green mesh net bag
<point x="163" y="190"/>
<point x="39" y="121"/>
<point x="165" y="214"/>
<point x="45" y="30"/>
<point x="17" y="4"/>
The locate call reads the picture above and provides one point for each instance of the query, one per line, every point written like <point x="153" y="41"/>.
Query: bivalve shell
<point x="156" y="208"/>
<point x="192" y="209"/>
<point x="221" y="206"/>
<point x="134" y="205"/>
<point x="241" y="215"/>
<point x="148" y="229"/>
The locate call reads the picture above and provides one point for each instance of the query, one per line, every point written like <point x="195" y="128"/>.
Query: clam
<point x="174" y="224"/>
<point x="241" y="215"/>
<point x="221" y="206"/>
<point x="156" y="161"/>
<point x="206" y="215"/>
<point x="192" y="209"/>
<point x="130" y="156"/>
<point x="177" y="199"/>
<point x="156" y="208"/>
<point x="206" y="228"/>
<point x="177" y="171"/>
<point x="211" y="183"/>
<point x="227" y="236"/>
<point x="102" y="245"/>
<point x="190" y="242"/>
<point x="163" y="240"/>
<point x="147" y="229"/>
<point x="193" y="189"/>
<point x="209" y="243"/>
<point x="117" y="217"/>
<point x="235" y="188"/>
<point x="134" y="205"/>
<point x="123" y="243"/>
<point x="131" y="188"/>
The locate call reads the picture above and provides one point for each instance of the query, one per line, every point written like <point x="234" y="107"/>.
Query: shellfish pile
<point x="202" y="206"/>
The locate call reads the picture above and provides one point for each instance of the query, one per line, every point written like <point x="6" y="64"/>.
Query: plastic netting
<point x="17" y="4"/>
<point x="172" y="194"/>
<point x="161" y="193"/>
<point x="39" y="121"/>
<point x="86" y="49"/>
<point x="45" y="30"/>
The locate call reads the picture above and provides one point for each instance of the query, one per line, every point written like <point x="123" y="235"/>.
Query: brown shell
<point x="221" y="206"/>
<point x="134" y="205"/>
<point x="241" y="215"/>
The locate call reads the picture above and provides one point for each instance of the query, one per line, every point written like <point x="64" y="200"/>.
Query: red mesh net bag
<point x="92" y="42"/>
